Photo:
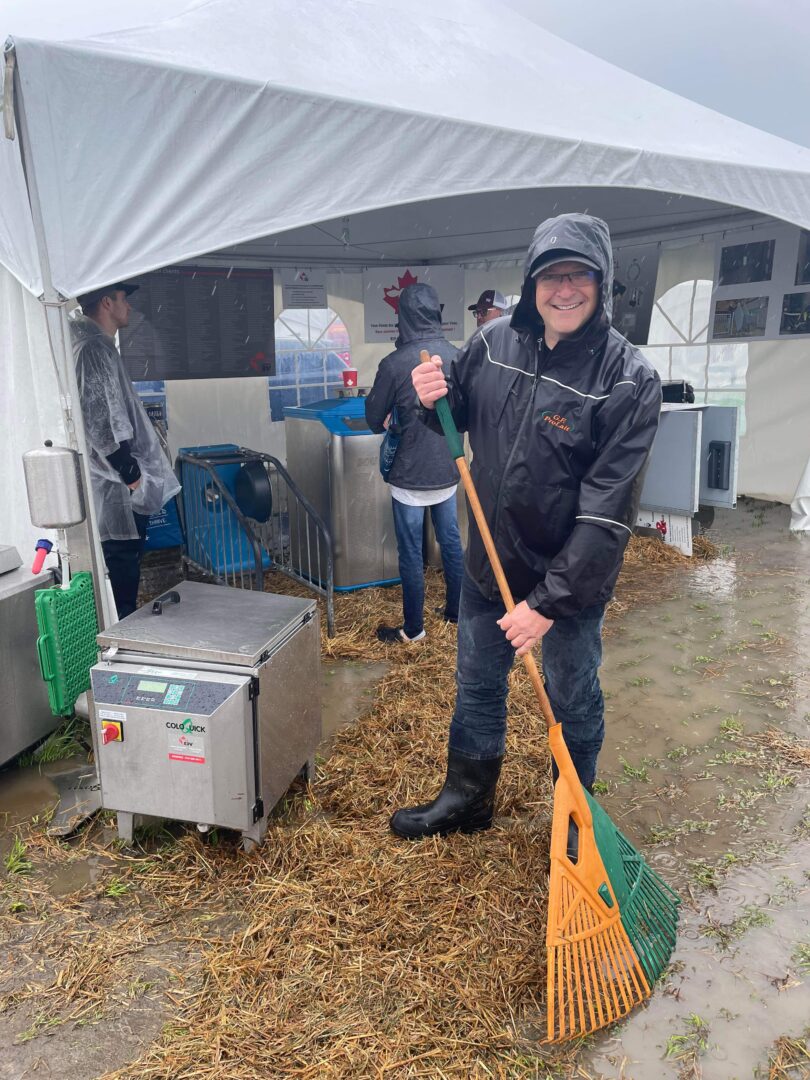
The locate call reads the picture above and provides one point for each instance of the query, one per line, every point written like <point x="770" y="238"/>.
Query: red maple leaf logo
<point x="393" y="291"/>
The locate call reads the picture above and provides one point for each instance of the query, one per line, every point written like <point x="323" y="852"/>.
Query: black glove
<point x="125" y="464"/>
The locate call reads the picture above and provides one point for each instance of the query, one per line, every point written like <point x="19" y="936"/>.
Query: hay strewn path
<point x="335" y="950"/>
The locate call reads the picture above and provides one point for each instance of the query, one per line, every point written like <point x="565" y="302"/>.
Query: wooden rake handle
<point x="457" y="450"/>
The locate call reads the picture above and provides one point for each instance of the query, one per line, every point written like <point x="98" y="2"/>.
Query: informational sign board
<point x="194" y="322"/>
<point x="382" y="288"/>
<point x="635" y="270"/>
<point x="303" y="288"/>
<point x="761" y="285"/>
<point x="674" y="529"/>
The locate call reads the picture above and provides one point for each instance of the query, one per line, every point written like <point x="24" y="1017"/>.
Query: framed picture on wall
<point x="803" y="259"/>
<point x="795" y="314"/>
<point x="740" y="318"/>
<point x="741" y="264"/>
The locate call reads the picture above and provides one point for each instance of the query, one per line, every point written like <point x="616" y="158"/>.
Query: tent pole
<point x="83" y="540"/>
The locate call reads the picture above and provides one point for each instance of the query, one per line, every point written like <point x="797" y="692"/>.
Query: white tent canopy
<point x="235" y="121"/>
<point x="308" y="132"/>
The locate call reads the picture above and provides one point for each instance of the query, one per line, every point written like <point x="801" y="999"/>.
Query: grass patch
<point x="660" y="834"/>
<point x="687" y="1049"/>
<point x="801" y="957"/>
<point x="633" y="773"/>
<point x="726" y="934"/>
<point x="678" y="753"/>
<point x="731" y="726"/>
<point x="71" y="738"/>
<point x="789" y="1060"/>
<point x="16" y="862"/>
<point x="117" y="888"/>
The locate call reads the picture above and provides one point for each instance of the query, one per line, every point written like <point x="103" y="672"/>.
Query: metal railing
<point x="223" y="543"/>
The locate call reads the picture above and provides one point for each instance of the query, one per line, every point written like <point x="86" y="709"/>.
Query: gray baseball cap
<point x="548" y="258"/>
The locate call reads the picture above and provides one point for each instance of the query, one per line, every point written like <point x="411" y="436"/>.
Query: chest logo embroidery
<point x="557" y="421"/>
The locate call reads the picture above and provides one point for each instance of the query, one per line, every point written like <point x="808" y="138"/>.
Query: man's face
<point x="119" y="308"/>
<point x="485" y="316"/>
<point x="566" y="306"/>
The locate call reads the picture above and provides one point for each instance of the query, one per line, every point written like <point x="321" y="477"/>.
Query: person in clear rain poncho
<point x="130" y="474"/>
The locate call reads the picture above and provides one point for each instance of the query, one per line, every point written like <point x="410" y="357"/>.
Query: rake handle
<point x="457" y="450"/>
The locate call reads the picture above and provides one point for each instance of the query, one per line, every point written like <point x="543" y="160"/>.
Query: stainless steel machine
<point x="26" y="715"/>
<point x="333" y="456"/>
<point x="206" y="706"/>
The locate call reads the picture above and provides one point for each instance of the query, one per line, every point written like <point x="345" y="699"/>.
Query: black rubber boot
<point x="465" y="803"/>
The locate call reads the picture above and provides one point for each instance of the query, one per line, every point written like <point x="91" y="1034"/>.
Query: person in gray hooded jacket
<point x="423" y="476"/>
<point x="561" y="412"/>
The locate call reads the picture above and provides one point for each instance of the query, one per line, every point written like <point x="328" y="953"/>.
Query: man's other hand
<point x="429" y="382"/>
<point x="524" y="626"/>
<point x="135" y="484"/>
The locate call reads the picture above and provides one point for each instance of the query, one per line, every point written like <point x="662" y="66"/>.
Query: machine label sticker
<point x="171" y="672"/>
<point x="187" y="746"/>
<point x="111" y="714"/>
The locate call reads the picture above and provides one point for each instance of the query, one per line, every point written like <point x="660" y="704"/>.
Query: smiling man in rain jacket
<point x="561" y="412"/>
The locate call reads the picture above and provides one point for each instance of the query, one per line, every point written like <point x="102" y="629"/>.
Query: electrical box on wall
<point x="693" y="464"/>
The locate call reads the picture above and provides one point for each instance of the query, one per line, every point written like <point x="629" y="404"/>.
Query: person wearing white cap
<point x="490" y="305"/>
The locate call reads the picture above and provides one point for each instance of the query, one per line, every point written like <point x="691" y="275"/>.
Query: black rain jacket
<point x="560" y="439"/>
<point x="422" y="461"/>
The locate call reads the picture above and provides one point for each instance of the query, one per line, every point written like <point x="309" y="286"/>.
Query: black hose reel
<point x="252" y="491"/>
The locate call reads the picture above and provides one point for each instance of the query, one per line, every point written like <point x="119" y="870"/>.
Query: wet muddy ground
<point x="705" y="767"/>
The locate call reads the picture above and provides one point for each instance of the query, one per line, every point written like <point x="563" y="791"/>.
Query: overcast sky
<point x="749" y="59"/>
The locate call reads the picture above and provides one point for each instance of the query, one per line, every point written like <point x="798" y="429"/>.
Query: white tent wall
<point x="18" y="246"/>
<point x="776" y="445"/>
<point x="30" y="410"/>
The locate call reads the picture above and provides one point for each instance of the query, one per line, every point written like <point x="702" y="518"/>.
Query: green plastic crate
<point x="67" y="640"/>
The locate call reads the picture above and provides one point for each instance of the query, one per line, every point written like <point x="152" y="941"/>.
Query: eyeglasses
<point x="578" y="278"/>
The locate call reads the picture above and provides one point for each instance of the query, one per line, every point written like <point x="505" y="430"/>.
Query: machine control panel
<point x="114" y="685"/>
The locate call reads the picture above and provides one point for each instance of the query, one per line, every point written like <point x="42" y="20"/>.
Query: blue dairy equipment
<point x="215" y="538"/>
<point x="333" y="457"/>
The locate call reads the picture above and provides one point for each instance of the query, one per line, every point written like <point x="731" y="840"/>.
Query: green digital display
<point x="153" y="687"/>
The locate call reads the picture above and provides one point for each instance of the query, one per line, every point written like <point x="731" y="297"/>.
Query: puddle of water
<point x="71" y="877"/>
<point x="747" y="995"/>
<point x="29" y="793"/>
<point x="722" y="649"/>
<point x="347" y="690"/>
<point x="723" y="646"/>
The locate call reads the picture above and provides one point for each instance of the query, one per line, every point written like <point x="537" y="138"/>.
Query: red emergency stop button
<point x="111" y="731"/>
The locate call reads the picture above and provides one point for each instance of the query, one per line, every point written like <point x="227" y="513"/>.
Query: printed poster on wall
<point x="303" y="287"/>
<point x="762" y="285"/>
<point x="200" y="322"/>
<point x="381" y="290"/>
<point x="635" y="270"/>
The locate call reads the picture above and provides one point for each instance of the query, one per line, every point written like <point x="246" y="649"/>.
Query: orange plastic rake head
<point x="594" y="975"/>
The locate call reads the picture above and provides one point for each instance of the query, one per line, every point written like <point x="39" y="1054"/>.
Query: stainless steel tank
<point x="53" y="481"/>
<point x="333" y="457"/>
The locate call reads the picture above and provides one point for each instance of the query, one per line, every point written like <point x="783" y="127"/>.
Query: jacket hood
<point x="83" y="328"/>
<point x="420" y="313"/>
<point x="570" y="235"/>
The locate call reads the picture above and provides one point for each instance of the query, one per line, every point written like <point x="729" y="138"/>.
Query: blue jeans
<point x="123" y="559"/>
<point x="572" y="653"/>
<point x="409" y="522"/>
